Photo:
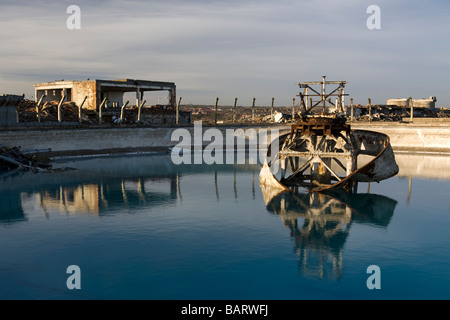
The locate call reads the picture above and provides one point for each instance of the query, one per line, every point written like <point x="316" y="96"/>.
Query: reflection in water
<point x="78" y="192"/>
<point x="11" y="207"/>
<point x="102" y="186"/>
<point x="320" y="225"/>
<point x="99" y="198"/>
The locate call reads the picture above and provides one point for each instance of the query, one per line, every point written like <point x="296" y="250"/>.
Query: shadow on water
<point x="320" y="225"/>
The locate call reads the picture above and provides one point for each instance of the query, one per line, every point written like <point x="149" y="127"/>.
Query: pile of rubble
<point x="27" y="112"/>
<point x="15" y="158"/>
<point x="394" y="113"/>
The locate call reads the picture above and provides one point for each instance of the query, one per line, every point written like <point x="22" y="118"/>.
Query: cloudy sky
<point x="228" y="49"/>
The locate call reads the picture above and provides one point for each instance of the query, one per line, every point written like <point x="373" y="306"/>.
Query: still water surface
<point x="143" y="228"/>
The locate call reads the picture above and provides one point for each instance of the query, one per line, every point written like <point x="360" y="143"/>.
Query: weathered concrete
<point x="404" y="137"/>
<point x="413" y="137"/>
<point x="109" y="140"/>
<point x="8" y="106"/>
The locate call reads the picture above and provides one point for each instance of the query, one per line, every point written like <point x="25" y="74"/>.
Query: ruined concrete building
<point x="91" y="93"/>
<point x="417" y="103"/>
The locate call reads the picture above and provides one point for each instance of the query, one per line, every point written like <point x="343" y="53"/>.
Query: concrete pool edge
<point x="80" y="142"/>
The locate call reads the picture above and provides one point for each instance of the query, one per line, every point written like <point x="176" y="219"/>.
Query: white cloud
<point x="231" y="48"/>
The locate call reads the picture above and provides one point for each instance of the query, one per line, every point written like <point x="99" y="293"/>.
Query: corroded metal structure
<point x="321" y="151"/>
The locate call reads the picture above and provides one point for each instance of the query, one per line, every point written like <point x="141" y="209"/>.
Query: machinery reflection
<point x="320" y="224"/>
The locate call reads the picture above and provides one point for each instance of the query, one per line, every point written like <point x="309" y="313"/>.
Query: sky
<point x="232" y="49"/>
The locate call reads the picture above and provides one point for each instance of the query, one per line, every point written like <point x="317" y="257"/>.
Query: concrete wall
<point x="8" y="116"/>
<point x="102" y="138"/>
<point x="411" y="138"/>
<point x="415" y="138"/>
<point x="417" y="103"/>
<point x="82" y="89"/>
<point x="8" y="111"/>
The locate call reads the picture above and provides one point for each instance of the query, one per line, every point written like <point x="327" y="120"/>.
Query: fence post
<point x="271" y="110"/>
<point x="59" y="106"/>
<point x="411" y="109"/>
<point x="38" y="108"/>
<point x="293" y="109"/>
<point x="351" y="110"/>
<point x="100" y="111"/>
<point x="234" y="110"/>
<point x="140" y="110"/>
<point x="122" y="109"/>
<point x="80" y="110"/>
<point x="177" y="111"/>
<point x="215" y="111"/>
<point x="253" y="110"/>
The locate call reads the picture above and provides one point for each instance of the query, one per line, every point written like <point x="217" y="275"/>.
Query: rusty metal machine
<point x="321" y="151"/>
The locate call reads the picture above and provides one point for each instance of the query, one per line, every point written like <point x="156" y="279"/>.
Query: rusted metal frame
<point x="319" y="144"/>
<point x="289" y="140"/>
<point x="321" y="82"/>
<point x="302" y="103"/>
<point x="339" y="143"/>
<point x="340" y="164"/>
<point x="302" y="168"/>
<point x="291" y="163"/>
<point x="317" y="92"/>
<point x="331" y="94"/>
<point x="292" y="153"/>
<point x="313" y="106"/>
<point x="329" y="169"/>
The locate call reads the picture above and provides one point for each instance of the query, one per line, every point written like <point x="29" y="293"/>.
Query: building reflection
<point x="101" y="198"/>
<point x="320" y="225"/>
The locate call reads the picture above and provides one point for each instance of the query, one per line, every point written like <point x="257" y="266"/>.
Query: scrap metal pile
<point x="15" y="158"/>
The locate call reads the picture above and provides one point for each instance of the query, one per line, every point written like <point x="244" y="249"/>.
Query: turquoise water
<point x="142" y="228"/>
